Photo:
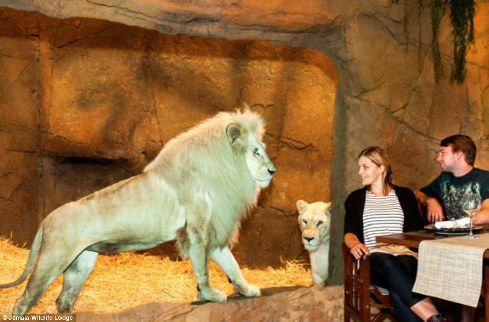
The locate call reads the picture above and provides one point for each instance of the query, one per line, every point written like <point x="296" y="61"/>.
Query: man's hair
<point x="463" y="143"/>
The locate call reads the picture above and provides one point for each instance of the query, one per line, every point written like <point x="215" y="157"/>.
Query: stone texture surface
<point x="109" y="96"/>
<point x="80" y="95"/>
<point x="280" y="304"/>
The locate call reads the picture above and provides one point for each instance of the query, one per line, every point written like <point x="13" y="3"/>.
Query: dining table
<point x="413" y="240"/>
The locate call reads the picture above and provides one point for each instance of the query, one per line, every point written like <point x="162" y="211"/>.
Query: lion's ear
<point x="233" y="132"/>
<point x="327" y="206"/>
<point x="301" y="204"/>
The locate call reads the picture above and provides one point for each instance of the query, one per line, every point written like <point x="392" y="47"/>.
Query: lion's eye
<point x="256" y="153"/>
<point x="319" y="223"/>
<point x="304" y="221"/>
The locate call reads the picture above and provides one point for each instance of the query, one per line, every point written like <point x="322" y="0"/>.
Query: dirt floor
<point x="128" y="281"/>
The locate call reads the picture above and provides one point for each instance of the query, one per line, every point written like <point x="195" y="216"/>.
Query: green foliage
<point x="462" y="20"/>
<point x="462" y="17"/>
<point x="438" y="8"/>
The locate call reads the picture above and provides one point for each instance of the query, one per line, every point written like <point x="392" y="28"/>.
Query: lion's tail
<point x="36" y="245"/>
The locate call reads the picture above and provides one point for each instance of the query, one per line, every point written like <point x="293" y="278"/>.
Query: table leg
<point x="486" y="286"/>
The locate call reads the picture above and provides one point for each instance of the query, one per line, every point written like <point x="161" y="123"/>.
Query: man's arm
<point x="482" y="216"/>
<point x="434" y="210"/>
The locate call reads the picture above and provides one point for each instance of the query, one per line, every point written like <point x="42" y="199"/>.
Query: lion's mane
<point x="201" y="161"/>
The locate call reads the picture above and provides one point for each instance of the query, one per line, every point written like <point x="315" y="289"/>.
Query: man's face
<point x="448" y="159"/>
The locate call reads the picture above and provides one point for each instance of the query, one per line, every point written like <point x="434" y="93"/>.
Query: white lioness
<point x="314" y="222"/>
<point x="196" y="191"/>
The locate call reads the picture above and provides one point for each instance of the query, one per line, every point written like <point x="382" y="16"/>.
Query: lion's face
<point x="314" y="222"/>
<point x="258" y="162"/>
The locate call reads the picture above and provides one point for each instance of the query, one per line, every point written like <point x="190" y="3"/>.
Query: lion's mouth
<point x="263" y="183"/>
<point x="310" y="247"/>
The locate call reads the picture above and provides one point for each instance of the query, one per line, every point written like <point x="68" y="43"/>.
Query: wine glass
<point x="471" y="203"/>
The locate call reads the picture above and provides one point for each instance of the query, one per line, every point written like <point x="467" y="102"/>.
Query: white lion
<point x="196" y="191"/>
<point x="314" y="222"/>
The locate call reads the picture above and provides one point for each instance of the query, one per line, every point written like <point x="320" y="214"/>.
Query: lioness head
<point x="259" y="164"/>
<point x="314" y="222"/>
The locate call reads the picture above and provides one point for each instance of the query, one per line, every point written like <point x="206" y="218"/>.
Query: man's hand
<point x="434" y="210"/>
<point x="482" y="216"/>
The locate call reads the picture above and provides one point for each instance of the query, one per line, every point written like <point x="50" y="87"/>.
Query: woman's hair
<point x="379" y="157"/>
<point x="464" y="143"/>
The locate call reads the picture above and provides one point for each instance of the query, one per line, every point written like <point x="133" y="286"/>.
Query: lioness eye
<point x="304" y="221"/>
<point x="319" y="223"/>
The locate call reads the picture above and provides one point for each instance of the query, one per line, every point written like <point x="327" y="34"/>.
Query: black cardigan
<point x="355" y="203"/>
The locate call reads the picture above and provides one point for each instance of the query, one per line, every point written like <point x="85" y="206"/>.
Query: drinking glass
<point x="471" y="204"/>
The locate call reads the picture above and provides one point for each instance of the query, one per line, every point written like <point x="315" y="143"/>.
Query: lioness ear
<point x="233" y="132"/>
<point x="327" y="206"/>
<point x="301" y="204"/>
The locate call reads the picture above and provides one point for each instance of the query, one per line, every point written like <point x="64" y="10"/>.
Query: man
<point x="443" y="196"/>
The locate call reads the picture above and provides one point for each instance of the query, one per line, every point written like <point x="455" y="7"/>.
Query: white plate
<point x="451" y="231"/>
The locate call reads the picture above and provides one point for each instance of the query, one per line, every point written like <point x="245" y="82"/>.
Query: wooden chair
<point x="359" y="295"/>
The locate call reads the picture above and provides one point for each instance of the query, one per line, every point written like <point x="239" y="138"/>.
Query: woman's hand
<point x="358" y="250"/>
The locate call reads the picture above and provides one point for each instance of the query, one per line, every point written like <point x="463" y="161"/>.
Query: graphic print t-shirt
<point x="450" y="190"/>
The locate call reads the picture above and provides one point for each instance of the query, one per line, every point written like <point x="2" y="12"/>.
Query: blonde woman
<point x="381" y="208"/>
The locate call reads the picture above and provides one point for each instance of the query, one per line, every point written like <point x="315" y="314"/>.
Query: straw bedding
<point x="126" y="280"/>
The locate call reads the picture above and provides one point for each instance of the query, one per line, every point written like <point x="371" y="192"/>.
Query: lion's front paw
<point x="212" y="295"/>
<point x="249" y="291"/>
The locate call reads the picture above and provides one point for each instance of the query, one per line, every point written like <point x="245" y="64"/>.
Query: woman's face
<point x="370" y="172"/>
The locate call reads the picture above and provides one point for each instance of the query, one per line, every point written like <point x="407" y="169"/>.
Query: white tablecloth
<point x="451" y="268"/>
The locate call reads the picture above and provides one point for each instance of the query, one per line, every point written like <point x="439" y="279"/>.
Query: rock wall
<point x="106" y="97"/>
<point x="82" y="96"/>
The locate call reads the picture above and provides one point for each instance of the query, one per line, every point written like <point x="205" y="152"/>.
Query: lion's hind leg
<point x="73" y="279"/>
<point x="225" y="259"/>
<point x="47" y="269"/>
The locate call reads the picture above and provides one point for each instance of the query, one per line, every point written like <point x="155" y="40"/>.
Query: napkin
<point x="459" y="223"/>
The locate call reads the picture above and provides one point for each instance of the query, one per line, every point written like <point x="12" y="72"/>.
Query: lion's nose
<point x="271" y="171"/>
<point x="308" y="238"/>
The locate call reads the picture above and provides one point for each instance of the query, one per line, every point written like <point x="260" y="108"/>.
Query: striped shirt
<point x="382" y="215"/>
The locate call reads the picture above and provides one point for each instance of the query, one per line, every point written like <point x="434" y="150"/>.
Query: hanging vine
<point x="462" y="20"/>
<point x="462" y="16"/>
<point x="438" y="8"/>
